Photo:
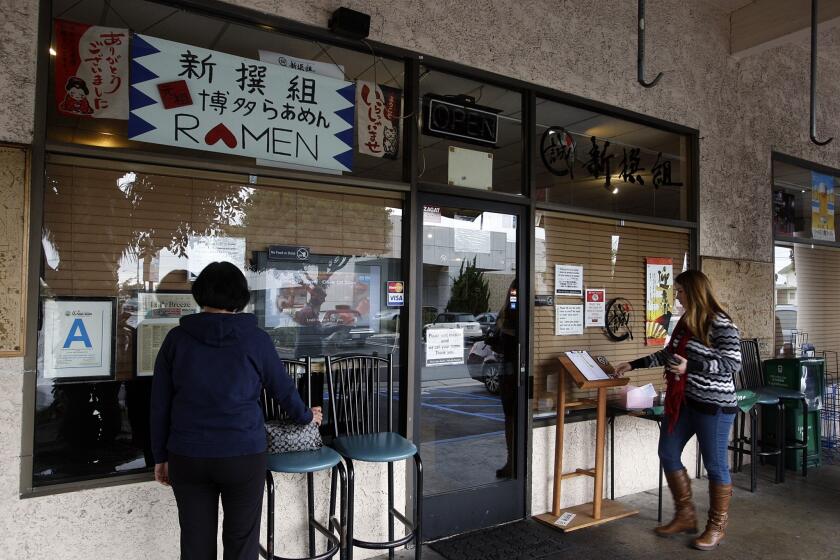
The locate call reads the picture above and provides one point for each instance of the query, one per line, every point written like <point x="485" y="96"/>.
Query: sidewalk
<point x="796" y="519"/>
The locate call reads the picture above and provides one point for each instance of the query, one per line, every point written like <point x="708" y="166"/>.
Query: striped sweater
<point x="710" y="369"/>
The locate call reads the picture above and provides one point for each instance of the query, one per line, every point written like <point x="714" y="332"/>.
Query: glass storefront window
<point x="471" y="133"/>
<point x="132" y="238"/>
<point x="804" y="202"/>
<point x="589" y="160"/>
<point x="260" y="45"/>
<point x="613" y="256"/>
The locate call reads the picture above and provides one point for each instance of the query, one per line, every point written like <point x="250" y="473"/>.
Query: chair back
<point x="301" y="373"/>
<point x="752" y="374"/>
<point x="355" y="385"/>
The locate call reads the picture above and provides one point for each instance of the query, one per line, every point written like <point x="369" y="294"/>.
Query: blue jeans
<point x="712" y="433"/>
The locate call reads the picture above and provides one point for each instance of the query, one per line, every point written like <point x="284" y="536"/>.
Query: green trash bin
<point x="799" y="374"/>
<point x="793" y="430"/>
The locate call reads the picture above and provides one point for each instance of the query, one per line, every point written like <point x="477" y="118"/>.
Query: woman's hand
<point x="162" y="473"/>
<point x="622" y="368"/>
<point x="677" y="365"/>
<point x="317" y="415"/>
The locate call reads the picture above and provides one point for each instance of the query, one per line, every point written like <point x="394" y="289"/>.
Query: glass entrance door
<point x="471" y="370"/>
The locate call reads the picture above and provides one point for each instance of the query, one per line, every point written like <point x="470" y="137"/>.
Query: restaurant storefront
<point x="379" y="201"/>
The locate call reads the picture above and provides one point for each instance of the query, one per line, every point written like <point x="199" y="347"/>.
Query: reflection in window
<point x="590" y="160"/>
<point x="804" y="202"/>
<point x="317" y="264"/>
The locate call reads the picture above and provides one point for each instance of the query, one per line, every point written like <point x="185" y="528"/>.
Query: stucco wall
<point x="18" y="27"/>
<point x="743" y="109"/>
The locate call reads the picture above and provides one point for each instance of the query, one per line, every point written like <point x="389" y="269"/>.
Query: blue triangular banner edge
<point x="348" y="92"/>
<point x="346" y="136"/>
<point x="348" y="114"/>
<point x="345" y="159"/>
<point x="137" y="99"/>
<point x="138" y="126"/>
<point x="141" y="47"/>
<point x="140" y="73"/>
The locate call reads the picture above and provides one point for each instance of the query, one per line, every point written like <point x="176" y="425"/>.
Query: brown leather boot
<point x="685" y="520"/>
<point x="719" y="496"/>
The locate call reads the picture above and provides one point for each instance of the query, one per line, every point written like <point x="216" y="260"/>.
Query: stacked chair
<point x="360" y="387"/>
<point x="308" y="463"/>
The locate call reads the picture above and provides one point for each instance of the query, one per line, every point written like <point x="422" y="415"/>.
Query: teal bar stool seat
<point x="308" y="463"/>
<point x="302" y="462"/>
<point x="383" y="447"/>
<point x="361" y="390"/>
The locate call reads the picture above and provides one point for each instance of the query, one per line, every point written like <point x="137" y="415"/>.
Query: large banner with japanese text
<point x="822" y="206"/>
<point x="659" y="303"/>
<point x="91" y="70"/>
<point x="195" y="98"/>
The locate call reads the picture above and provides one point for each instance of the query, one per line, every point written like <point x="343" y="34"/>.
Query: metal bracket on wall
<point x="814" y="20"/>
<point x="641" y="51"/>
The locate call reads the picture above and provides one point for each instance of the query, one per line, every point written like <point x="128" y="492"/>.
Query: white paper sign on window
<point x="568" y="320"/>
<point x="195" y="98"/>
<point x="204" y="249"/>
<point x="568" y="280"/>
<point x="444" y="347"/>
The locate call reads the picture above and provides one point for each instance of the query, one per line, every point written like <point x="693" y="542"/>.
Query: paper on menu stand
<point x="587" y="365"/>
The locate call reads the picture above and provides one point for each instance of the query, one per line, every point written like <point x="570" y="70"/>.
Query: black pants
<point x="198" y="483"/>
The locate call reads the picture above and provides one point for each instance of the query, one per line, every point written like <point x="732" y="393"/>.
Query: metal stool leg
<point x="780" y="440"/>
<point x="310" y="501"/>
<point x="391" y="508"/>
<point x="350" y="508"/>
<point x="753" y="450"/>
<point x="342" y="514"/>
<point x="805" y="437"/>
<point x="418" y="508"/>
<point x="269" y="487"/>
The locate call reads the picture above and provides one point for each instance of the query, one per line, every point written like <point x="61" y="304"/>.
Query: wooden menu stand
<point x="599" y="510"/>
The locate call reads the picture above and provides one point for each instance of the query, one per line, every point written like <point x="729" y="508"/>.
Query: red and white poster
<point x="379" y="108"/>
<point x="596" y="307"/>
<point x="91" y="70"/>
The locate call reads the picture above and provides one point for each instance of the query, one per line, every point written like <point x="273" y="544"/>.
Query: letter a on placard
<point x="82" y="336"/>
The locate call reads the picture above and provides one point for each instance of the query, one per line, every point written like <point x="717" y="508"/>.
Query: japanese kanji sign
<point x="91" y="70"/>
<point x="224" y="103"/>
<point x="379" y="109"/>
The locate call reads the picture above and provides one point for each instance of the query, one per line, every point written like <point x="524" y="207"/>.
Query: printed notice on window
<point x="568" y="280"/>
<point x="444" y="347"/>
<point x="568" y="320"/>
<point x="204" y="249"/>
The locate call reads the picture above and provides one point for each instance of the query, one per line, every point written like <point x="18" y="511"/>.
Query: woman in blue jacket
<point x="208" y="434"/>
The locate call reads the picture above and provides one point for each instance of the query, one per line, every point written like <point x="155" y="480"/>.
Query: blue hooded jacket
<point x="209" y="373"/>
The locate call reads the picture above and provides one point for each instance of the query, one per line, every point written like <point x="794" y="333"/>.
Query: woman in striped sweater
<point x="700" y="360"/>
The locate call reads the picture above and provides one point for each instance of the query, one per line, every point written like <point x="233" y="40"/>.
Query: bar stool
<point x="308" y="463"/>
<point x="751" y="378"/>
<point x="355" y="395"/>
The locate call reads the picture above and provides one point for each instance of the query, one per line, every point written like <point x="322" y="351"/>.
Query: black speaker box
<point x="350" y="23"/>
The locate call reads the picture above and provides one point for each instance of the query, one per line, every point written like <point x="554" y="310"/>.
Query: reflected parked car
<point x="486" y="320"/>
<point x="466" y="321"/>
<point x="485" y="366"/>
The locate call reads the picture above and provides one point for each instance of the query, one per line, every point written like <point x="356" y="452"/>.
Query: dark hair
<point x="75" y="82"/>
<point x="223" y="286"/>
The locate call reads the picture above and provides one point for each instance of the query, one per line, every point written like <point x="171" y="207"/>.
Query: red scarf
<point x="675" y="390"/>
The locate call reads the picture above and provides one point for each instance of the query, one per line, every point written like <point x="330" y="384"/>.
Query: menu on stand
<point x="587" y="365"/>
